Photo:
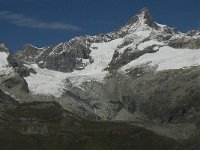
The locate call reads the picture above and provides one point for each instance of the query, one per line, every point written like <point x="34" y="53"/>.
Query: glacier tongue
<point x="46" y="82"/>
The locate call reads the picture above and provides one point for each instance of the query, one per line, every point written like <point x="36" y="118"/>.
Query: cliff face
<point x="12" y="72"/>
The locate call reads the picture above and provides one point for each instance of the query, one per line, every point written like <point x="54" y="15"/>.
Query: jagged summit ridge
<point x="3" y="48"/>
<point x="143" y="21"/>
<point x="2" y="45"/>
<point x="145" y="16"/>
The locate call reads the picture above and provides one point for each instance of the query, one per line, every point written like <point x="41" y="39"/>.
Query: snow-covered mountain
<point x="140" y="42"/>
<point x="144" y="71"/>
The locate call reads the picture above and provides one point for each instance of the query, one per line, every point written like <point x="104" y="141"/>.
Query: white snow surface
<point x="48" y="82"/>
<point x="167" y="58"/>
<point x="147" y="44"/>
<point x="136" y="37"/>
<point x="161" y="25"/>
<point x="143" y="34"/>
<point x="4" y="65"/>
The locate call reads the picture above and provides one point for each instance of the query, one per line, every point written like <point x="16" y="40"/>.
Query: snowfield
<point x="53" y="83"/>
<point x="167" y="58"/>
<point x="46" y="82"/>
<point x="147" y="44"/>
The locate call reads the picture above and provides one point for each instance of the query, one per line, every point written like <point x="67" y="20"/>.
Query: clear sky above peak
<point x="47" y="22"/>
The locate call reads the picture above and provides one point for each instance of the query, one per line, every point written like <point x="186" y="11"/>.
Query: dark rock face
<point x="70" y="58"/>
<point x="18" y="66"/>
<point x="128" y="56"/>
<point x="3" y="48"/>
<point x="28" y="53"/>
<point x="6" y="101"/>
<point x="16" y="82"/>
<point x="64" y="57"/>
<point x="191" y="43"/>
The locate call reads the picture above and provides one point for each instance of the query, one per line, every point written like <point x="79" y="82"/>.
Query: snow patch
<point x="143" y="34"/>
<point x="46" y="82"/>
<point x="167" y="58"/>
<point x="135" y="38"/>
<point x="40" y="48"/>
<point x="161" y="25"/>
<point x="5" y="68"/>
<point x="147" y="44"/>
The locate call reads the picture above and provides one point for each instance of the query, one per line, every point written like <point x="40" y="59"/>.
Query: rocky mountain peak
<point x="3" y="48"/>
<point x="193" y="33"/>
<point x="2" y="45"/>
<point x="143" y="17"/>
<point x="28" y="53"/>
<point x="145" y="12"/>
<point x="143" y="21"/>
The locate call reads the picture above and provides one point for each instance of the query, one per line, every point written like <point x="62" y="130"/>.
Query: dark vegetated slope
<point x="47" y="126"/>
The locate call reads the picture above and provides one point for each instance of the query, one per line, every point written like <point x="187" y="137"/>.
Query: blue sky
<point x="47" y="22"/>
